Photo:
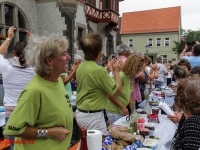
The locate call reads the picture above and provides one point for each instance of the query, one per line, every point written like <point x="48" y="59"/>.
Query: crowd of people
<point x="38" y="89"/>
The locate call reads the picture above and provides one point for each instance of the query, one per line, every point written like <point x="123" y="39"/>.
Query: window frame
<point x="166" y="40"/>
<point x="157" y="41"/>
<point x="129" y="43"/>
<point x="164" y="57"/>
<point x="148" y="41"/>
<point x="20" y="31"/>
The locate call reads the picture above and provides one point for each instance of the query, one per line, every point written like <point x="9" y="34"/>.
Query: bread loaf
<point x="128" y="137"/>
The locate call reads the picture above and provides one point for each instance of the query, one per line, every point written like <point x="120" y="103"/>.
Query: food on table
<point x="119" y="147"/>
<point x="128" y="137"/>
<point x="117" y="127"/>
<point x="154" y="103"/>
<point x="150" y="142"/>
<point x="113" y="145"/>
<point x="141" y="120"/>
<point x="122" y="143"/>
<point x="144" y="132"/>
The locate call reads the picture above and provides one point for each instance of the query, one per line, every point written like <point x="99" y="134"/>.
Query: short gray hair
<point x="41" y="47"/>
<point x="76" y="57"/>
<point x="122" y="48"/>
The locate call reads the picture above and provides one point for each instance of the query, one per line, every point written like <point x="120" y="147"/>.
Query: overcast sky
<point x="190" y="9"/>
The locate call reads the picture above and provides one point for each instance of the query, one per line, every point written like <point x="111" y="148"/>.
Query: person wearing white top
<point x="161" y="73"/>
<point x="15" y="74"/>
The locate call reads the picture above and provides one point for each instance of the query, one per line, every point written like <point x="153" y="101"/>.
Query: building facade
<point x="153" y="31"/>
<point x="70" y="18"/>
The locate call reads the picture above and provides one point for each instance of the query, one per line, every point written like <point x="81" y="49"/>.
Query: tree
<point x="188" y="36"/>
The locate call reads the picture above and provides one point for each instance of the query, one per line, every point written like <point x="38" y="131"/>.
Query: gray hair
<point x="76" y="57"/>
<point x="140" y="53"/>
<point x="41" y="47"/>
<point x="122" y="48"/>
<point x="179" y="72"/>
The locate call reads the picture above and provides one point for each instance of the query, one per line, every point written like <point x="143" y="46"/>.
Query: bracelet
<point x="43" y="133"/>
<point x="184" y="49"/>
<point x="8" y="39"/>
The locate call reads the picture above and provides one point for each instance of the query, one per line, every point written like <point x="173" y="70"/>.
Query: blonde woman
<point x="43" y="113"/>
<point x="127" y="75"/>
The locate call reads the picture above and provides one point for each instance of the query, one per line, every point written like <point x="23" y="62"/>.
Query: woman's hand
<point x="176" y="118"/>
<point x="117" y="66"/>
<point x="58" y="133"/>
<point x="11" y="32"/>
<point x="124" y="110"/>
<point x="28" y="33"/>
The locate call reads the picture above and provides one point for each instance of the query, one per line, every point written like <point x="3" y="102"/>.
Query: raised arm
<point x="6" y="43"/>
<point x="183" y="52"/>
<point x="116" y="69"/>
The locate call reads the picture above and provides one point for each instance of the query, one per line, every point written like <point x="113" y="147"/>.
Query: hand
<point x="124" y="111"/>
<point x="109" y="66"/>
<point x="176" y="118"/>
<point x="186" y="47"/>
<point x="11" y="32"/>
<point x="117" y="65"/>
<point x="75" y="65"/>
<point x="28" y="33"/>
<point x="58" y="133"/>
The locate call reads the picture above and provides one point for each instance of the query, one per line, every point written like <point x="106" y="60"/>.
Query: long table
<point x="164" y="130"/>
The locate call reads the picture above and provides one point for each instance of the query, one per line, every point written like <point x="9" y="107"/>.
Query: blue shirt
<point x="193" y="60"/>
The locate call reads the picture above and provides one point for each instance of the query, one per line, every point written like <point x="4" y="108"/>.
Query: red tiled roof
<point x="149" y="21"/>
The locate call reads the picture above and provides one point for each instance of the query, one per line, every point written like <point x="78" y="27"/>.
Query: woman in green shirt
<point x="130" y="68"/>
<point x="43" y="117"/>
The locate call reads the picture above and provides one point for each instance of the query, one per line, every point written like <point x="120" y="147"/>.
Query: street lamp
<point x="147" y="48"/>
<point x="110" y="39"/>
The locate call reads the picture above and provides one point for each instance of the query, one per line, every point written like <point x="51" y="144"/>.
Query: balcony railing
<point x="97" y="15"/>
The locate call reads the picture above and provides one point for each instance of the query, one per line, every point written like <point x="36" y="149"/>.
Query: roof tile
<point x="149" y="21"/>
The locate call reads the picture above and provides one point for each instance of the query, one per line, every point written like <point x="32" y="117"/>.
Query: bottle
<point x="153" y="85"/>
<point x="147" y="107"/>
<point x="83" y="134"/>
<point x="151" y="128"/>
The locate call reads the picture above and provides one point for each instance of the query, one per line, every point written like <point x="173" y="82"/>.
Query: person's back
<point x="89" y="76"/>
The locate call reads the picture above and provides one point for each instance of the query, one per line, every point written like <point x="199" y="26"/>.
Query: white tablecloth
<point x="164" y="130"/>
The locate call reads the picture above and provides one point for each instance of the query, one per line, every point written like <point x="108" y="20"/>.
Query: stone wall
<point x="29" y="9"/>
<point x="49" y="19"/>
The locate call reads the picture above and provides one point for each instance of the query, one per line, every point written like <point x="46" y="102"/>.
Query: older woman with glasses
<point x="187" y="136"/>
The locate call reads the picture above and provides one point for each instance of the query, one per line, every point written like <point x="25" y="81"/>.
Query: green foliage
<point x="189" y="36"/>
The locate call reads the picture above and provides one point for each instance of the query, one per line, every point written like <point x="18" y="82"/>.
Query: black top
<point x="187" y="135"/>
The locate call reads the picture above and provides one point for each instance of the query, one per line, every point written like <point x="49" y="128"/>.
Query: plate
<point x="144" y="148"/>
<point x="139" y="110"/>
<point x="174" y="94"/>
<point x="150" y="142"/>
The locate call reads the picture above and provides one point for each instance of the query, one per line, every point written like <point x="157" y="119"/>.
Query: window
<point x="158" y="41"/>
<point x="150" y="42"/>
<point x="114" y="5"/>
<point x="80" y="34"/>
<point x="8" y="15"/>
<point x="167" y="42"/>
<point x="107" y="4"/>
<point x="130" y="43"/>
<point x="11" y="15"/>
<point x="164" y="58"/>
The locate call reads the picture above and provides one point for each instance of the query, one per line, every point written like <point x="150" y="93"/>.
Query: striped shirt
<point x="187" y="136"/>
